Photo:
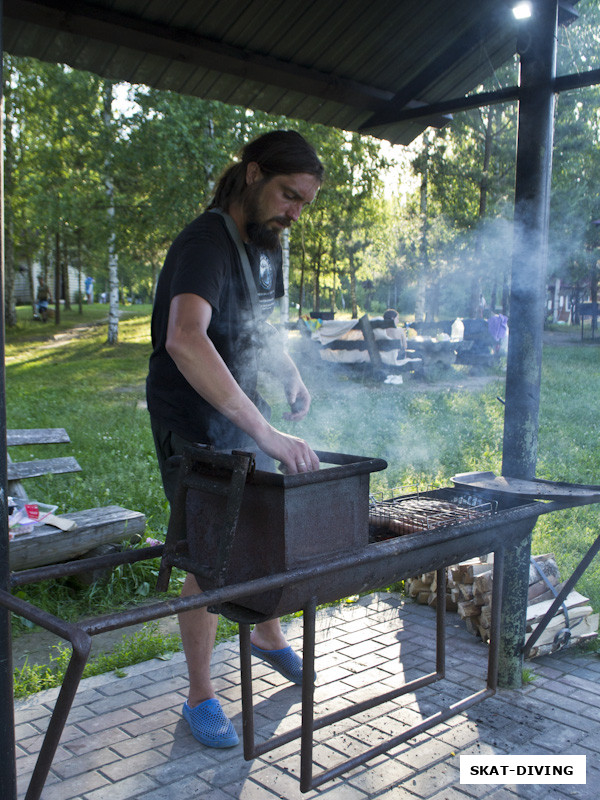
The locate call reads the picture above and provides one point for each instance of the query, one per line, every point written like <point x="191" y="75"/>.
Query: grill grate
<point x="399" y="516"/>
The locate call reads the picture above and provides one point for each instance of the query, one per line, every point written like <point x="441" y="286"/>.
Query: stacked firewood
<point x="469" y="593"/>
<point x="564" y="629"/>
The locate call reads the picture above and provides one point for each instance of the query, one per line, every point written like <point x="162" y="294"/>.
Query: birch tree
<point x="113" y="259"/>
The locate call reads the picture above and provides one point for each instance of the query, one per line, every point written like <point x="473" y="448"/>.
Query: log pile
<point x="469" y="593"/>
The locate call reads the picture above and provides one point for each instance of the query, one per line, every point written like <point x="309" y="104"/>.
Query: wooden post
<point x="527" y="305"/>
<point x="8" y="767"/>
<point x="369" y="336"/>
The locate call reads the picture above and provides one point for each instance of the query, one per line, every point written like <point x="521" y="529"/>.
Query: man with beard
<point x="219" y="283"/>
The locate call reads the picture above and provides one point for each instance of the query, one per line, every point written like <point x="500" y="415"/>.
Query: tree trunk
<point x="423" y="246"/>
<point x="353" y="300"/>
<point x="474" y="305"/>
<point x="113" y="261"/>
<point x="155" y="269"/>
<point x="432" y="298"/>
<point x="32" y="282"/>
<point x="555" y="308"/>
<point x="505" y="293"/>
<point x="57" y="276"/>
<point x="79" y="274"/>
<point x="10" y="310"/>
<point x="420" y="299"/>
<point x="65" y="274"/>
<point x="284" y="307"/>
<point x="302" y="271"/>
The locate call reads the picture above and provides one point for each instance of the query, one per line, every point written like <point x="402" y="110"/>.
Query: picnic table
<point x="377" y="343"/>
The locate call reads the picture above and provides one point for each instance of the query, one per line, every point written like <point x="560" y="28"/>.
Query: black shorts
<point x="168" y="443"/>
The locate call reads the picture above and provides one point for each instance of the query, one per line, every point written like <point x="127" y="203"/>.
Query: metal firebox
<point x="238" y="530"/>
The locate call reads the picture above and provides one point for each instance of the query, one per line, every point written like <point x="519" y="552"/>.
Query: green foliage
<point x="143" y="645"/>
<point x="527" y="676"/>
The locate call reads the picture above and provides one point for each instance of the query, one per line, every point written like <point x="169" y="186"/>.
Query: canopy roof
<point x="353" y="64"/>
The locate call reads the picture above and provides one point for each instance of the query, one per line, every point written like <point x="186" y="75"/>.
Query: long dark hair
<point x="276" y="153"/>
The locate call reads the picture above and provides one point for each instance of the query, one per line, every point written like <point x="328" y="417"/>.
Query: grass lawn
<point x="67" y="376"/>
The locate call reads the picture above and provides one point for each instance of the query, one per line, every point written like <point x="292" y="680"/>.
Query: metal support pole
<point x="308" y="695"/>
<point x="8" y="768"/>
<point x="537" y="48"/>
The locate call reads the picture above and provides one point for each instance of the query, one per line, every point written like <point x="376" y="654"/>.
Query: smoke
<point x="353" y="414"/>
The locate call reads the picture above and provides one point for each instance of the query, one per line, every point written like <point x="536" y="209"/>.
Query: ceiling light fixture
<point x="522" y="10"/>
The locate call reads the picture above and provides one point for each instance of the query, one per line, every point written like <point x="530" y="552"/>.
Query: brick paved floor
<point x="125" y="738"/>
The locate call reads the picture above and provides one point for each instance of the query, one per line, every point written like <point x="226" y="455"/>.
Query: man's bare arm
<point x="201" y="365"/>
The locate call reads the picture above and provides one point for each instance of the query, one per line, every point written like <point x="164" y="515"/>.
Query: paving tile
<point x="430" y="752"/>
<point x="332" y="690"/>
<point x="429" y="782"/>
<point x="380" y="775"/>
<point x="144" y="762"/>
<point x="112" y="702"/>
<point x="90" y="761"/>
<point x="563" y="738"/>
<point x="462" y="735"/>
<point x="250" y="790"/>
<point x="587" y="721"/>
<point x="177" y="683"/>
<point x="359" y="650"/>
<point x="148" y="741"/>
<point x="196" y="762"/>
<point x="279" y="782"/>
<point x="188" y="788"/>
<point x="76" y="787"/>
<point x="112" y="719"/>
<point x="133" y="788"/>
<point x="26" y="731"/>
<point x="401" y="793"/>
<point x="149" y="706"/>
<point x="138" y="725"/>
<point x="89" y="742"/>
<point x="232" y="770"/>
<point x="33" y="743"/>
<point x="135" y="682"/>
<point x="216" y="794"/>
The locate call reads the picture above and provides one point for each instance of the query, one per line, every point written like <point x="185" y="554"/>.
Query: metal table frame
<point x="310" y="724"/>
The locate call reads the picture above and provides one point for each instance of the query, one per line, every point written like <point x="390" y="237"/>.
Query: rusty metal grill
<point x="405" y="514"/>
<point x="308" y="539"/>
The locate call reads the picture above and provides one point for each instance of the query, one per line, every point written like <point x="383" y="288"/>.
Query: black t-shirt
<point x="204" y="260"/>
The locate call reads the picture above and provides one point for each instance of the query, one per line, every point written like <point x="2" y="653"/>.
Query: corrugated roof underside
<point x="421" y="50"/>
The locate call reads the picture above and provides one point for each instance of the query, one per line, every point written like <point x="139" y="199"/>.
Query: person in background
<point x="396" y="332"/>
<point x="43" y="297"/>
<point x="89" y="289"/>
<point x="210" y="338"/>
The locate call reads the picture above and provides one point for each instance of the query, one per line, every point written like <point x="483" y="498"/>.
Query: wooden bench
<point x="49" y="544"/>
<point x="18" y="471"/>
<point x="96" y="526"/>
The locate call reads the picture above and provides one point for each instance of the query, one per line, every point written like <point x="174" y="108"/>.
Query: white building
<point x="23" y="283"/>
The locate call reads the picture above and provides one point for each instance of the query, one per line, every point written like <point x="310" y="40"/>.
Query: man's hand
<point x="298" y="399"/>
<point x="294" y="454"/>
